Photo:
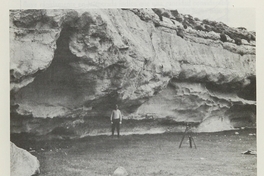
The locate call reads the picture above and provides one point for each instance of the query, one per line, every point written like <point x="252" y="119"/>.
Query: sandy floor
<point x="143" y="155"/>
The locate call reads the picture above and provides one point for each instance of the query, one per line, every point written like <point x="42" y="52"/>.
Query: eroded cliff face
<point x="80" y="63"/>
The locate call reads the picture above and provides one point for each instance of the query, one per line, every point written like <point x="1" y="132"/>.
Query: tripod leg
<point x="182" y="138"/>
<point x="194" y="143"/>
<point x="190" y="141"/>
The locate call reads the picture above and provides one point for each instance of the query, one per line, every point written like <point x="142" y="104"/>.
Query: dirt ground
<point x="143" y="155"/>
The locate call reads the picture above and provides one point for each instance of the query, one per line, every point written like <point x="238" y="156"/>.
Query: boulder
<point x="214" y="124"/>
<point x="120" y="171"/>
<point x="22" y="162"/>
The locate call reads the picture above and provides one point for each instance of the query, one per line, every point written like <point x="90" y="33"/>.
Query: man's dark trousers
<point x="116" y="124"/>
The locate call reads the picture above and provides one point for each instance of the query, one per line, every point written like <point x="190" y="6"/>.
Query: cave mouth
<point x="58" y="85"/>
<point x="64" y="86"/>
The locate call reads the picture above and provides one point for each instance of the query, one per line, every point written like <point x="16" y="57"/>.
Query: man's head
<point x="116" y="106"/>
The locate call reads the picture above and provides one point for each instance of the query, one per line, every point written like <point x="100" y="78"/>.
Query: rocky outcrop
<point x="33" y="35"/>
<point x="76" y="63"/>
<point x="22" y="162"/>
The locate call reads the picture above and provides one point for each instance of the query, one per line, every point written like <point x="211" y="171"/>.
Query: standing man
<point x="116" y="120"/>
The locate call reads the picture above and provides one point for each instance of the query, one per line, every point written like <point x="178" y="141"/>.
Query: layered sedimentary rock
<point x="22" y="162"/>
<point x="76" y="63"/>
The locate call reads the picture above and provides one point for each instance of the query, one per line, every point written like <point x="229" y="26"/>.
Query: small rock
<point x="249" y="152"/>
<point x="252" y="134"/>
<point x="236" y="132"/>
<point x="120" y="171"/>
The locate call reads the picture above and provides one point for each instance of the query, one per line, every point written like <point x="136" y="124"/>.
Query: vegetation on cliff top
<point x="236" y="34"/>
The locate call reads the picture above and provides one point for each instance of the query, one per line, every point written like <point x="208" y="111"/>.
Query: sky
<point x="234" y="13"/>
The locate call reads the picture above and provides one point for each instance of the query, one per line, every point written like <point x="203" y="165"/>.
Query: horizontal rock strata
<point x="80" y="63"/>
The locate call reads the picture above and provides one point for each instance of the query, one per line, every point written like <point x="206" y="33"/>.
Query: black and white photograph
<point x="150" y="91"/>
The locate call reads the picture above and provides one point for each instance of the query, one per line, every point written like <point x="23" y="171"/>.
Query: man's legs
<point x="118" y="127"/>
<point x="116" y="124"/>
<point x="113" y="128"/>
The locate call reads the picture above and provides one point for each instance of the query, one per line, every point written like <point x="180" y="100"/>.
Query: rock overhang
<point x="124" y="56"/>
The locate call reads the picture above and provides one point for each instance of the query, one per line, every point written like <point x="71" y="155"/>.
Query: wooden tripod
<point x="191" y="140"/>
